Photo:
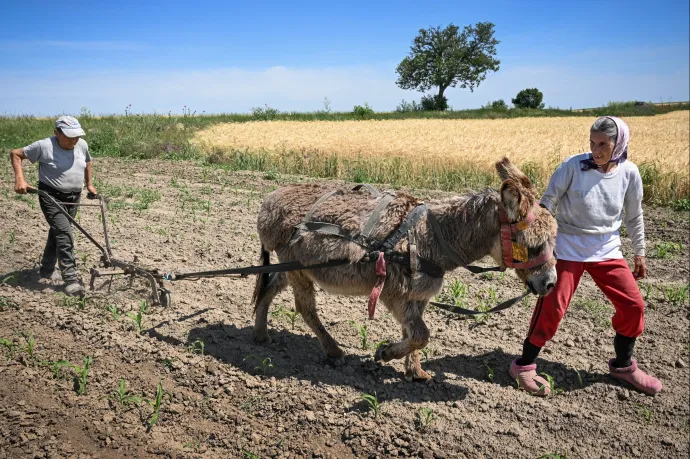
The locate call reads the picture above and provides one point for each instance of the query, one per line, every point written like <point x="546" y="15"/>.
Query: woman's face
<point x="601" y="146"/>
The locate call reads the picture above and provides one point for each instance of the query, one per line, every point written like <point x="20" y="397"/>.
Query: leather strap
<point x="375" y="216"/>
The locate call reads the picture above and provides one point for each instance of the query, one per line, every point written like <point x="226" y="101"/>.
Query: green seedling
<point x="362" y="331"/>
<point x="667" y="249"/>
<point x="138" y="317"/>
<point x="193" y="445"/>
<point x="645" y="412"/>
<point x="12" y="279"/>
<point x="12" y="237"/>
<point x="426" y="352"/>
<point x="82" y="375"/>
<point x="272" y="174"/>
<point x="57" y="367"/>
<point x="114" y="311"/>
<point x="124" y="398"/>
<point x="289" y="314"/>
<point x="10" y="347"/>
<point x="552" y="384"/>
<point x="554" y="455"/>
<point x="27" y="200"/>
<point x="82" y="302"/>
<point x="458" y="289"/>
<point x="425" y="416"/>
<point x="7" y="303"/>
<point x="30" y="346"/>
<point x="197" y="347"/>
<point x="249" y="455"/>
<point x="489" y="373"/>
<point x="481" y="318"/>
<point x="167" y="363"/>
<point x="264" y="365"/>
<point x="648" y="290"/>
<point x="493" y="295"/>
<point x="372" y="403"/>
<point x="156" y="405"/>
<point x="676" y="295"/>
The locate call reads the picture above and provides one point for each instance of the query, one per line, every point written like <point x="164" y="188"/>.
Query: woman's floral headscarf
<point x="620" y="149"/>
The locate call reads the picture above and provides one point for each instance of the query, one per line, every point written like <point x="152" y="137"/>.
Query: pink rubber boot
<point x="528" y="379"/>
<point x="636" y="377"/>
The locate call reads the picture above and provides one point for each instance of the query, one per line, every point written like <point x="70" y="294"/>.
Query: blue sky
<point x="221" y="56"/>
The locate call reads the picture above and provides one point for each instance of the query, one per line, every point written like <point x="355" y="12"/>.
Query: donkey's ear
<point x="515" y="202"/>
<point x="507" y="170"/>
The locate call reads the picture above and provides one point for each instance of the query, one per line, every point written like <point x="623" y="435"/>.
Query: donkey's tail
<point x="261" y="279"/>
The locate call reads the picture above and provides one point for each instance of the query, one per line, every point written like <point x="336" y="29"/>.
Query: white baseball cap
<point x="69" y="126"/>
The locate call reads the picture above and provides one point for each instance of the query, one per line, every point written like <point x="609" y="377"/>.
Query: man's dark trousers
<point x="60" y="244"/>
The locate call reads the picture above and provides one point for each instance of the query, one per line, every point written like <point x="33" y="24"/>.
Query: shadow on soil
<point x="493" y="367"/>
<point x="30" y="280"/>
<point x="294" y="355"/>
<point x="299" y="356"/>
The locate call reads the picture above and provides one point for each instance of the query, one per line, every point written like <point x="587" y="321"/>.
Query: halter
<point x="516" y="255"/>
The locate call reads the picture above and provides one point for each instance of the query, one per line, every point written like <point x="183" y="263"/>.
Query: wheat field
<point x="662" y="140"/>
<point x="401" y="151"/>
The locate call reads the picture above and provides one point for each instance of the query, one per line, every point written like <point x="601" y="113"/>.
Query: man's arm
<point x="16" y="157"/>
<point x="88" y="177"/>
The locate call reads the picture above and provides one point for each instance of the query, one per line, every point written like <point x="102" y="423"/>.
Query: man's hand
<point x="91" y="189"/>
<point x="20" y="186"/>
<point x="640" y="270"/>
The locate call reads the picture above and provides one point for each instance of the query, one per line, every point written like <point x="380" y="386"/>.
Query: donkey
<point x="468" y="226"/>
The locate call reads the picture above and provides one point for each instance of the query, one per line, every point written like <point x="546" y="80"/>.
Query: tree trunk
<point x="441" y="90"/>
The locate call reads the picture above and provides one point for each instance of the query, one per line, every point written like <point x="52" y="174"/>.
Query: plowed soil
<point x="229" y="400"/>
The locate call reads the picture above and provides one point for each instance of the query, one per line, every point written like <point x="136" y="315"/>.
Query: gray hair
<point x="606" y="126"/>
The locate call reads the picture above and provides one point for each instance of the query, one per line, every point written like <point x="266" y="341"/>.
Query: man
<point x="64" y="163"/>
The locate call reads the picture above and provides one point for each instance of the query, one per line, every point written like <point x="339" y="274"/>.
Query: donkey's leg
<point x="276" y="283"/>
<point x="413" y="364"/>
<point x="305" y="303"/>
<point x="415" y="337"/>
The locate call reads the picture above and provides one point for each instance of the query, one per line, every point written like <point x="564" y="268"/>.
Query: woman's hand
<point x="640" y="269"/>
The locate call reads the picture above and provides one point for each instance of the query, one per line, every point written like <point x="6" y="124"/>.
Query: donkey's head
<point x="528" y="232"/>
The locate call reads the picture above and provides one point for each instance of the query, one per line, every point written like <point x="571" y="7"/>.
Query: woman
<point x="588" y="194"/>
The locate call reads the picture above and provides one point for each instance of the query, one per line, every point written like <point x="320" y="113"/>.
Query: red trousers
<point x="613" y="277"/>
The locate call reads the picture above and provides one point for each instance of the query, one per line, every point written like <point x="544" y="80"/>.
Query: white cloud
<point x="303" y="89"/>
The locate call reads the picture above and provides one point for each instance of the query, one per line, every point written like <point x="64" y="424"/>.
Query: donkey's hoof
<point x="261" y="338"/>
<point x="378" y="356"/>
<point x="417" y="375"/>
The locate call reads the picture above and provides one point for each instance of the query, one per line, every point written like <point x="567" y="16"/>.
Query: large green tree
<point x="449" y="57"/>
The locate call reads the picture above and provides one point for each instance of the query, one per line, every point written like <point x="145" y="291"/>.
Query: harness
<point x="382" y="251"/>
<point x="515" y="255"/>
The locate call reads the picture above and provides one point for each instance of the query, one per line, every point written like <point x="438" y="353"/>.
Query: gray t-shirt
<point x="59" y="168"/>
